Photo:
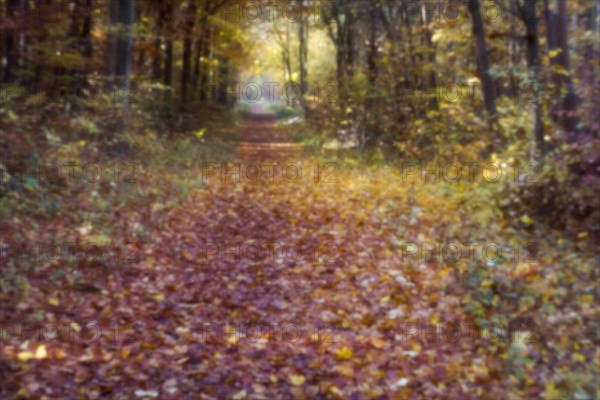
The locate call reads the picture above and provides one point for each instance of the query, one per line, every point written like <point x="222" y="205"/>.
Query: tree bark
<point x="529" y="18"/>
<point x="569" y="103"/>
<point x="168" y="71"/>
<point x="190" y="18"/>
<point x="303" y="51"/>
<point x="483" y="63"/>
<point x="111" y="45"/>
<point x="205" y="85"/>
<point x="86" y="31"/>
<point x="126" y="19"/>
<point x="430" y="46"/>
<point x="372" y="134"/>
<point x="223" y="80"/>
<point x="156" y="60"/>
<point x="11" y="52"/>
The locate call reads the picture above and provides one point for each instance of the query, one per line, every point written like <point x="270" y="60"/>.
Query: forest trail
<point x="329" y="200"/>
<point x="273" y="274"/>
<point x="295" y="284"/>
<point x="261" y="139"/>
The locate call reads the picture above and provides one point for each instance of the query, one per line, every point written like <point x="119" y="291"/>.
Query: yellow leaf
<point x="559" y="69"/>
<point x="487" y="283"/>
<point x="25" y="356"/>
<point x="523" y="269"/>
<point x="554" y="53"/>
<point x="232" y="339"/>
<point x="159" y="297"/>
<point x="53" y="301"/>
<point x="345" y="370"/>
<point x="41" y="353"/>
<point x="551" y="392"/>
<point x="297" y="380"/>
<point x="587" y="299"/>
<point x="526" y="219"/>
<point x="345" y="353"/>
<point x="578" y="357"/>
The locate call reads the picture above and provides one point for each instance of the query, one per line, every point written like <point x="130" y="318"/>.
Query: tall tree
<point x="189" y="16"/>
<point x="167" y="25"/>
<point x="206" y="53"/>
<point x="426" y="19"/>
<point x="483" y="63"/>
<point x="372" y="133"/>
<point x="126" y="19"/>
<point x="86" y="31"/>
<point x="112" y="37"/>
<point x="156" y="51"/>
<point x="303" y="48"/>
<point x="394" y="37"/>
<point x="569" y="99"/>
<point x="528" y="15"/>
<point x="340" y="24"/>
<point x="10" y="48"/>
<point x="283" y="40"/>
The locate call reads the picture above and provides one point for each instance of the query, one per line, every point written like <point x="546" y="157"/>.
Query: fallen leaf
<point x="345" y="353"/>
<point x="297" y="380"/>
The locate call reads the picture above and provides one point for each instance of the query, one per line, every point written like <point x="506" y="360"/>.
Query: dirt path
<point x="272" y="291"/>
<point x="261" y="139"/>
<point x="293" y="288"/>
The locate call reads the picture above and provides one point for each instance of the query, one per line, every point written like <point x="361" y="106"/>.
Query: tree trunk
<point x="86" y="31"/>
<point x="303" y="51"/>
<point x="430" y="46"/>
<point x="111" y="45"/>
<point x="512" y="52"/>
<point x="569" y="103"/>
<point x="349" y="41"/>
<point x="533" y="61"/>
<point x="550" y="18"/>
<point x="190" y="17"/>
<point x="23" y="44"/>
<point x="287" y="59"/>
<point x="9" y="44"/>
<point x="223" y="80"/>
<point x="156" y="60"/>
<point x="74" y="25"/>
<point x="126" y="19"/>
<point x="168" y="71"/>
<point x="483" y="63"/>
<point x="205" y="85"/>
<point x="372" y="134"/>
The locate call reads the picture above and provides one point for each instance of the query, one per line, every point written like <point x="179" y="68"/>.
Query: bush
<point x="282" y="112"/>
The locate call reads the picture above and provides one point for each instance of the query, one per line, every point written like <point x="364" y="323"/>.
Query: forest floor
<point x="284" y="275"/>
